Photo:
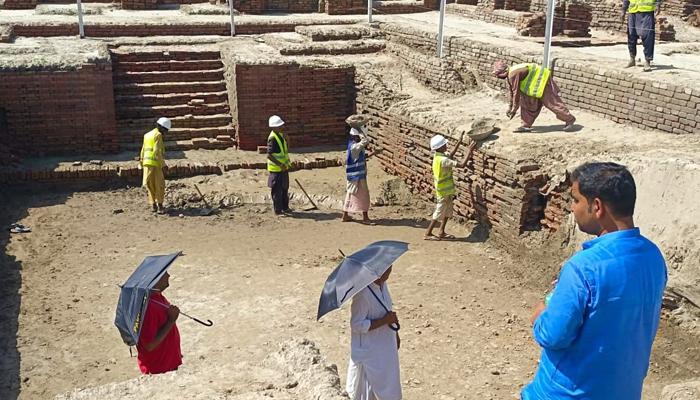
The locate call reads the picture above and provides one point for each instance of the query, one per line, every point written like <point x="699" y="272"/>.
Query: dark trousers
<point x="641" y="25"/>
<point x="279" y="185"/>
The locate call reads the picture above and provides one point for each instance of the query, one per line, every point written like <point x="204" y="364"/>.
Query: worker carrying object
<point x="531" y="87"/>
<point x="153" y="163"/>
<point x="641" y="24"/>
<point x="278" y="165"/>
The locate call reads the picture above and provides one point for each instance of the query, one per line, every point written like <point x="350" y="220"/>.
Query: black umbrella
<point x="135" y="296"/>
<point x="356" y="272"/>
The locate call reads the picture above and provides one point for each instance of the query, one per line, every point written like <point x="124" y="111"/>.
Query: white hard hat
<point x="437" y="141"/>
<point x="358" y="132"/>
<point x="164" y="122"/>
<point x="275" y="121"/>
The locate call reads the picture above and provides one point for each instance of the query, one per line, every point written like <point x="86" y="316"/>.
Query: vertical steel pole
<point x="443" y="4"/>
<point x="81" y="28"/>
<point x="230" y="10"/>
<point x="369" y="11"/>
<point x="548" y="32"/>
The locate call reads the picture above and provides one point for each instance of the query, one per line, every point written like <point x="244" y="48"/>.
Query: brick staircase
<point x="184" y="85"/>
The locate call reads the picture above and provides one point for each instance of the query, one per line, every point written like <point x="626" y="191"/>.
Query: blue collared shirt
<point x="598" y="328"/>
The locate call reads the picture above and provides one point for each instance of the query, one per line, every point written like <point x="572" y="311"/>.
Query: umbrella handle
<point x="395" y="328"/>
<point x="208" y="323"/>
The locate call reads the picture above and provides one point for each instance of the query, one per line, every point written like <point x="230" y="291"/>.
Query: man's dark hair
<point x="612" y="183"/>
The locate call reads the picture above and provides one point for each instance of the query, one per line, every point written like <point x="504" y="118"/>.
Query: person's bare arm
<point x="537" y="311"/>
<point x="470" y="152"/>
<point x="456" y="147"/>
<point x="173" y="313"/>
<point x="388" y="319"/>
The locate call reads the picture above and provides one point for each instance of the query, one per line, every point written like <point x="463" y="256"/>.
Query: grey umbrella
<point x="356" y="272"/>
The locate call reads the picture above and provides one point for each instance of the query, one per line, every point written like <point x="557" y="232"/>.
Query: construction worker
<point x="532" y="87"/>
<point x="443" y="164"/>
<point x="152" y="161"/>
<point x="278" y="165"/>
<point x="641" y="23"/>
<point x="357" y="190"/>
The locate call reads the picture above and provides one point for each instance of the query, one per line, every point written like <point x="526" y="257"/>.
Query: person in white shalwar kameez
<point x="373" y="373"/>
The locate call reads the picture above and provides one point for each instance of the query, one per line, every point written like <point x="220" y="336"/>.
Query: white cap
<point x="275" y="121"/>
<point x="361" y="131"/>
<point x="164" y="122"/>
<point x="437" y="141"/>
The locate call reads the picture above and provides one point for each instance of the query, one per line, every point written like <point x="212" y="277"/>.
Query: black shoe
<point x="154" y="208"/>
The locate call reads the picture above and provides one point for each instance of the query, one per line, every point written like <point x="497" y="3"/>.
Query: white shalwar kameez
<point x="373" y="373"/>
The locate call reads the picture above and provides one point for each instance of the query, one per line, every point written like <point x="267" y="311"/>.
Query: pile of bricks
<point x="665" y="30"/>
<point x="486" y="13"/>
<point x="532" y="24"/>
<point x="59" y="112"/>
<point x="313" y="100"/>
<point x="616" y="95"/>
<point x="337" y="32"/>
<point x="517" y="5"/>
<point x="432" y="71"/>
<point x="680" y="8"/>
<point x="578" y="20"/>
<point x="345" y="7"/>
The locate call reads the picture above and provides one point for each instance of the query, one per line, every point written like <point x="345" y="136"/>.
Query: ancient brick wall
<point x="431" y="71"/>
<point x="606" y="14"/>
<point x="117" y="30"/>
<point x="345" y="7"/>
<point x="498" y="191"/>
<point x="314" y="100"/>
<point x="622" y="97"/>
<point x="59" y="112"/>
<point x="20" y="4"/>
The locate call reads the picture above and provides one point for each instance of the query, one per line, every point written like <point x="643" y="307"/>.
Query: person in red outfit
<point x="159" y="342"/>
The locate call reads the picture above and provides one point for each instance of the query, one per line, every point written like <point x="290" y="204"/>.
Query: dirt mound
<point x="296" y="371"/>
<point x="682" y="391"/>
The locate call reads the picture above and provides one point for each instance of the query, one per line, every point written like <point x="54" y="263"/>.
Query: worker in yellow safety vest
<point x="443" y="166"/>
<point x="531" y="87"/>
<point x="153" y="162"/>
<point x="278" y="165"/>
<point x="641" y="24"/>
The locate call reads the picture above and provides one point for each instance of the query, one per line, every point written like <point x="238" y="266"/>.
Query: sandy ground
<point x="464" y="306"/>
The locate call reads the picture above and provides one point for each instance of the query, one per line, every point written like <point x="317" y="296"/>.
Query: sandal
<point x="349" y="219"/>
<point x="20" y="229"/>
<point x="446" y="236"/>
<point x="369" y="223"/>
<point x="522" y="129"/>
<point x="432" y="238"/>
<point x="570" y="124"/>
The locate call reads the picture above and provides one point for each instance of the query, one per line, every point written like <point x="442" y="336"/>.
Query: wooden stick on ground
<point x="307" y="195"/>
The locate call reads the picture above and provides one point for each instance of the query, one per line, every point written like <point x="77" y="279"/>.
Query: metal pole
<point x="443" y="4"/>
<point x="548" y="32"/>
<point x="81" y="29"/>
<point x="369" y="11"/>
<point x="230" y="10"/>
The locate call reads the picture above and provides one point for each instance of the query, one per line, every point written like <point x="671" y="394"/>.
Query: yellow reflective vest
<point x="282" y="156"/>
<point x="444" y="184"/>
<point x="149" y="143"/>
<point x="637" y="6"/>
<point x="537" y="76"/>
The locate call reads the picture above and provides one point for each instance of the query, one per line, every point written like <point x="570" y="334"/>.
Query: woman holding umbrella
<point x="374" y="371"/>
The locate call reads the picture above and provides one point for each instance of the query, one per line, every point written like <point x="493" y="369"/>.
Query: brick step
<point x="171" y="111"/>
<point x="169" y="76"/>
<point x="187" y="121"/>
<point x="182" y="145"/>
<point x="126" y="89"/>
<point x="168" y="99"/>
<point x="138" y="55"/>
<point x="136" y="135"/>
<point x="168" y="65"/>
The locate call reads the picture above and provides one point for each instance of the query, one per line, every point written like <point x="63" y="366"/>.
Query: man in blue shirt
<point x="599" y="326"/>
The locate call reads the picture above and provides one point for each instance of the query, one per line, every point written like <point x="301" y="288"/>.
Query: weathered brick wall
<point x="295" y="6"/>
<point x="622" y="97"/>
<point x="432" y="71"/>
<point x="59" y="112"/>
<point x="606" y="14"/>
<point x="680" y="8"/>
<point x="345" y="7"/>
<point x="125" y="29"/>
<point x="498" y="191"/>
<point x="20" y="4"/>
<point x="6" y="33"/>
<point x="314" y="100"/>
